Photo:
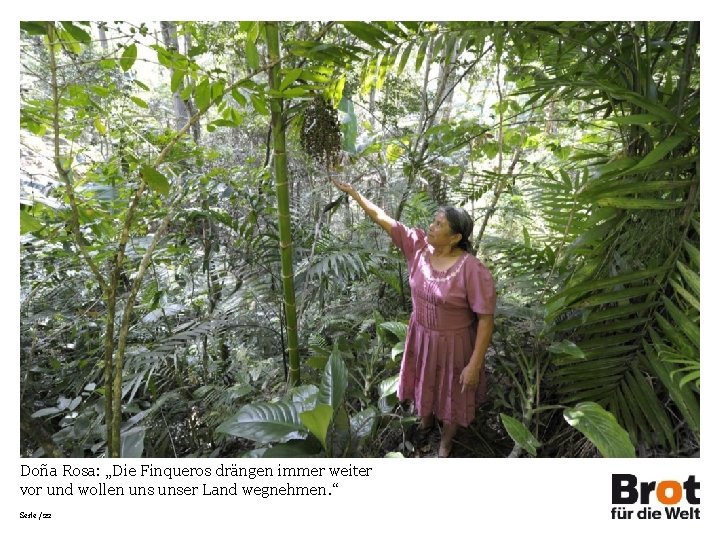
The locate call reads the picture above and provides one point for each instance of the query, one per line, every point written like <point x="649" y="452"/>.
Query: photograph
<point x="265" y="241"/>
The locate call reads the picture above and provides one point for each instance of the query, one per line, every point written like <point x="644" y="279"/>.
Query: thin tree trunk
<point x="169" y="34"/>
<point x="283" y="202"/>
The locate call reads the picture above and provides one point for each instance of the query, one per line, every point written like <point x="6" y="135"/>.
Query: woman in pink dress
<point x="443" y="367"/>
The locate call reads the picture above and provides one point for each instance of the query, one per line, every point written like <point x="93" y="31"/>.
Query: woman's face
<point x="440" y="234"/>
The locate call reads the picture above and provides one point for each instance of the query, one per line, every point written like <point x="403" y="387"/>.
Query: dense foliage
<point x="193" y="285"/>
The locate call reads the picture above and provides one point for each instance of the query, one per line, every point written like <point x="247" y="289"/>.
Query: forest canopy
<point x="193" y="285"/>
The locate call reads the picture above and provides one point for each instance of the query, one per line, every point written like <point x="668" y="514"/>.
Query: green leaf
<point x="132" y="442"/>
<point x="34" y="28"/>
<point x="294" y="92"/>
<point x="305" y="396"/>
<point x="421" y="53"/>
<point x="520" y="434"/>
<point x="68" y="41"/>
<point x="397" y="328"/>
<point x="389" y="386"/>
<point x="128" y="57"/>
<point x="141" y="85"/>
<point x="202" y="94"/>
<point x="659" y="152"/>
<point x="393" y="152"/>
<point x="601" y="428"/>
<point x="289" y="78"/>
<point x="567" y="348"/>
<point x="238" y="97"/>
<point x="259" y="104"/>
<point x="155" y="179"/>
<point x="334" y="381"/>
<point x="251" y="53"/>
<point x="631" y="203"/>
<point x="683" y="397"/>
<point x="28" y="223"/>
<point x="217" y="89"/>
<point x="363" y="423"/>
<point x="367" y="33"/>
<point x="139" y="102"/>
<point x="404" y="58"/>
<point x="265" y="423"/>
<point x="176" y="80"/>
<point x="99" y="126"/>
<point x="526" y="238"/>
<point x="317" y="420"/>
<point x="633" y="119"/>
<point x="692" y="278"/>
<point x="76" y="32"/>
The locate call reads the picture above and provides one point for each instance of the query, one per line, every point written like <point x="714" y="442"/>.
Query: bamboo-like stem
<point x="283" y="202"/>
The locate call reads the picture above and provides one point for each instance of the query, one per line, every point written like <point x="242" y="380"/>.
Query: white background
<point x="548" y="498"/>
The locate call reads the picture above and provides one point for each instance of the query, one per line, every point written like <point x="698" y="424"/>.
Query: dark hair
<point x="460" y="223"/>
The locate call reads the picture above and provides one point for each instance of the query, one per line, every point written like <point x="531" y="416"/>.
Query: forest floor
<point x="485" y="437"/>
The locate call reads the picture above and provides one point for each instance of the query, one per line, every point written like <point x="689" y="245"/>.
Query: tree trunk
<point x="169" y="34"/>
<point x="283" y="202"/>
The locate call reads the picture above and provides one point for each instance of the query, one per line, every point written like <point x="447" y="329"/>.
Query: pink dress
<point x="442" y="329"/>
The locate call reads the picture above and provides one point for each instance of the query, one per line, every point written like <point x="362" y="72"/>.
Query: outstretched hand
<point x="343" y="186"/>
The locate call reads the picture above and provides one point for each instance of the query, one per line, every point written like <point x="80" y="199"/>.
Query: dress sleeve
<point x="480" y="288"/>
<point x="408" y="240"/>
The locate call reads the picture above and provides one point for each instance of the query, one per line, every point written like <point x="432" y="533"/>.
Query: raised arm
<point x="373" y="211"/>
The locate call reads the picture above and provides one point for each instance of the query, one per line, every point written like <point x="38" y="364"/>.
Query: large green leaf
<point x="520" y="434"/>
<point x="317" y="420"/>
<point x="601" y="428"/>
<point x="265" y="423"/>
<point x="128" y="57"/>
<point x="155" y="179"/>
<point x="334" y="381"/>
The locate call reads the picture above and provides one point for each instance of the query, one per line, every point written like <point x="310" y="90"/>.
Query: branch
<point x="64" y="174"/>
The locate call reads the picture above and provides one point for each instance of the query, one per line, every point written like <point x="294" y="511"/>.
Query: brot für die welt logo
<point x="677" y="500"/>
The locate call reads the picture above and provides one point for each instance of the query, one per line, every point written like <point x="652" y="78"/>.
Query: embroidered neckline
<point x="431" y="274"/>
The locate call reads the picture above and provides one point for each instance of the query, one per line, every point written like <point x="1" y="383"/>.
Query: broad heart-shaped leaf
<point x="128" y="57"/>
<point x="520" y="434"/>
<point x="304" y="397"/>
<point x="155" y="179"/>
<point x="317" y="421"/>
<point x="132" y="442"/>
<point x="334" y="381"/>
<point x="601" y="428"/>
<point x="265" y="423"/>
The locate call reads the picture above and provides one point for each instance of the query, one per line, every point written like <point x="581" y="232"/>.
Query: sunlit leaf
<point x="128" y="57"/>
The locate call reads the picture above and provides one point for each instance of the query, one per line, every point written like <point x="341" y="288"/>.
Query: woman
<point x="443" y="367"/>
